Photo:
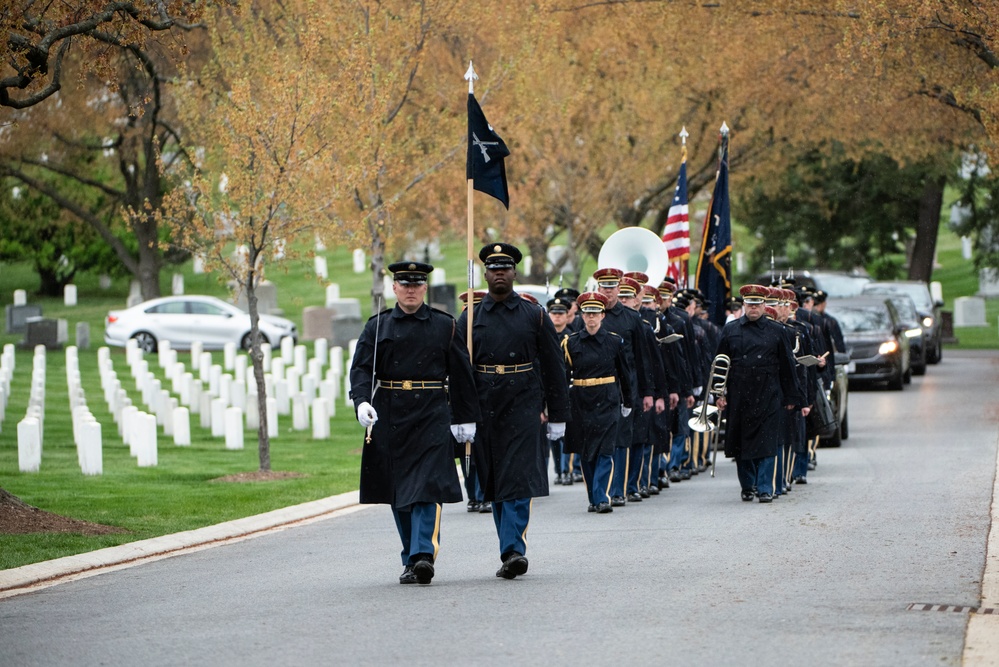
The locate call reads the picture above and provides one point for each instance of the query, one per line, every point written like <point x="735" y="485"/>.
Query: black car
<point x="875" y="338"/>
<point x="915" y="332"/>
<point x="927" y="307"/>
<point x="833" y="283"/>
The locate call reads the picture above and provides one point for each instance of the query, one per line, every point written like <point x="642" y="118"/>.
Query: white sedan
<point x="183" y="320"/>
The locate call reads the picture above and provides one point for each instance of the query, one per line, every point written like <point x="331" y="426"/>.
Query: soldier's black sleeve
<point x="362" y="369"/>
<point x="658" y="372"/>
<point x="462" y="394"/>
<point x="624" y="371"/>
<point x="552" y="367"/>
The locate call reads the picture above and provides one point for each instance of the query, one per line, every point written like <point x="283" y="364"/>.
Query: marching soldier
<point x="598" y="367"/>
<point x="476" y="501"/>
<point x="559" y="313"/>
<point x="685" y="353"/>
<point x="628" y="324"/>
<point x="402" y="361"/>
<point x="761" y="382"/>
<point x="519" y="373"/>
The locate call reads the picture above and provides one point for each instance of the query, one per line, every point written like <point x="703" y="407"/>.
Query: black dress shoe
<point x="674" y="476"/>
<point x="424" y="571"/>
<point x="591" y="508"/>
<point x="513" y="566"/>
<point x="604" y="508"/>
<point x="653" y="490"/>
<point x="408" y="576"/>
<point x="644" y="492"/>
<point x="567" y="480"/>
<point x="486" y="507"/>
<point x="664" y="482"/>
<point x="558" y="479"/>
<point x="801" y="479"/>
<point x="617" y="501"/>
<point x="577" y="477"/>
<point x="685" y="474"/>
<point x="747" y="496"/>
<point x="473" y="505"/>
<point x="634" y="497"/>
<point x="766" y="498"/>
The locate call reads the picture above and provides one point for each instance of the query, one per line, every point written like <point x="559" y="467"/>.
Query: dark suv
<point x="926" y="307"/>
<point x="875" y="338"/>
<point x="833" y="283"/>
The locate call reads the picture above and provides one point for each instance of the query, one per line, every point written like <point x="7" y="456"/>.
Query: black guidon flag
<point x="486" y="150"/>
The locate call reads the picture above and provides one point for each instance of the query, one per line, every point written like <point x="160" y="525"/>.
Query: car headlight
<point x="888" y="347"/>
<point x="928" y="322"/>
<point x="913" y="333"/>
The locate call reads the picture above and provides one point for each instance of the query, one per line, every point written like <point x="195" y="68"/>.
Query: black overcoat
<point x="410" y="458"/>
<point x="761" y="381"/>
<point x="508" y="447"/>
<point x="596" y="410"/>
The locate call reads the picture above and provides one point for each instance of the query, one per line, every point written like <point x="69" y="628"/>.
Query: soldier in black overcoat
<point x="600" y="395"/>
<point x="628" y="324"/>
<point x="761" y="383"/>
<point x="519" y="373"/>
<point x="411" y="368"/>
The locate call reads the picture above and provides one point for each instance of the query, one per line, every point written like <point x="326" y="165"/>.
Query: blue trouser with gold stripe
<point x="511" y="518"/>
<point x="597" y="475"/>
<point x="419" y="528"/>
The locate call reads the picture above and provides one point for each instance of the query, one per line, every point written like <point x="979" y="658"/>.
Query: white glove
<point x="463" y="432"/>
<point x="698" y="390"/>
<point x="366" y="415"/>
<point x="625" y="411"/>
<point x="556" y="430"/>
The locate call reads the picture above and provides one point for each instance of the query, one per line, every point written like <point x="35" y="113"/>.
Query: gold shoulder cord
<point x="565" y="349"/>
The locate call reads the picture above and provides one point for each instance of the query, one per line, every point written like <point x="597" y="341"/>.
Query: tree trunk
<point x="377" y="267"/>
<point x="52" y="284"/>
<point x="257" y="357"/>
<point x="927" y="227"/>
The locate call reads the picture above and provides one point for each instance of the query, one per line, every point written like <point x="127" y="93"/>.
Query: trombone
<point x="716" y="387"/>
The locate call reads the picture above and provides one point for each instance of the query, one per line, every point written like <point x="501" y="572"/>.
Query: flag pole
<point x="470" y="76"/>
<point x="685" y="266"/>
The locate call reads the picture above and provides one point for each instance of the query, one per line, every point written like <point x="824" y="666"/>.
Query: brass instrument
<point x="636" y="249"/>
<point x="716" y="387"/>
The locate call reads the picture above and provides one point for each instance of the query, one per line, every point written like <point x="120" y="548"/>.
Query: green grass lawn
<point x="178" y="493"/>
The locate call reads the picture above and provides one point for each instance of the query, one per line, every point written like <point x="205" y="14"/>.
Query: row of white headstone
<point x="7" y="363"/>
<point x="31" y="429"/>
<point x="86" y="428"/>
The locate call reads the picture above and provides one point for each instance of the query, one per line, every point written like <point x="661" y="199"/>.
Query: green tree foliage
<point x="830" y="210"/>
<point x="979" y="201"/>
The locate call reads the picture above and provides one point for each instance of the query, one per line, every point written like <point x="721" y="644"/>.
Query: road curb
<point x="20" y="580"/>
<point x="981" y="638"/>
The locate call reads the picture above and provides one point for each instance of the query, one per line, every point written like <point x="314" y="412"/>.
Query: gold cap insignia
<point x="412" y="267"/>
<point x="497" y="248"/>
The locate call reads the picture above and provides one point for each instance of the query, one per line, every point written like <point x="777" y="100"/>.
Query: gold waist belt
<point x="592" y="382"/>
<point x="407" y="385"/>
<point x="502" y="370"/>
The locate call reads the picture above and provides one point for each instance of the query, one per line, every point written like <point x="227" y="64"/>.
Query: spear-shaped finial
<point x="773" y="276"/>
<point x="724" y="129"/>
<point x="471" y="76"/>
<point x="683" y="135"/>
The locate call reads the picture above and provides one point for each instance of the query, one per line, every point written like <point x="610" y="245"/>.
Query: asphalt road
<point x="899" y="515"/>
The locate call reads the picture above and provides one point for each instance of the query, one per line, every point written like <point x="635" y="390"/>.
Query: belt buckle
<point x="407" y="385"/>
<point x="500" y="370"/>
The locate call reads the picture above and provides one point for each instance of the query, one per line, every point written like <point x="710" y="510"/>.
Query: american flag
<point x="676" y="235"/>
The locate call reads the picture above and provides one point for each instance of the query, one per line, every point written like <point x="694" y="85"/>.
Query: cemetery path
<point x="888" y="556"/>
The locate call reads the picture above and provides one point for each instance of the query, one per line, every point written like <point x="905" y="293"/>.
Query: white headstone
<point x="20" y="297"/>
<point x="327" y="392"/>
<point x="360" y="265"/>
<point x="252" y="413"/>
<point x="91" y="448"/>
<point x="214" y="379"/>
<point x="287" y="351"/>
<point x="299" y="412"/>
<point x="205" y="366"/>
<point x="29" y="445"/>
<point x="309" y="386"/>
<point x="197" y="347"/>
<point x="279" y="248"/>
<point x="282" y="397"/>
<point x="967" y="246"/>
<point x="181" y="427"/>
<point x="438" y="277"/>
<point x="69" y="295"/>
<point x="233" y="428"/>
<point x="277" y="369"/>
<point x="168" y="412"/>
<point x="265" y="353"/>
<point x="104" y="281"/>
<point x="178" y="284"/>
<point x="147" y="452"/>
<point x="239" y="369"/>
<point x="320" y="352"/>
<point x="218" y="417"/>
<point x="205" y="410"/>
<point x="237" y="395"/>
<point x="229" y="356"/>
<point x="969" y="311"/>
<point x="320" y="246"/>
<point x="332" y="293"/>
<point x="322" y="270"/>
<point x="225" y="388"/>
<point x="272" y="418"/>
<point x="195" y="402"/>
<point x="301" y="359"/>
<point x="198" y="265"/>
<point x="292" y="377"/>
<point x="336" y="359"/>
<point x="320" y="420"/>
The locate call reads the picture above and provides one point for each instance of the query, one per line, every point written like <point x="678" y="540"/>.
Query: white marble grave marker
<point x="233" y="428"/>
<point x="229" y="356"/>
<point x="272" y="418"/>
<point x="360" y="265"/>
<point x="322" y="270"/>
<point x="218" y="417"/>
<point x="177" y="284"/>
<point x="20" y="297"/>
<point x="147" y="453"/>
<point x="29" y="445"/>
<point x="320" y="420"/>
<point x="181" y="427"/>
<point x="69" y="295"/>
